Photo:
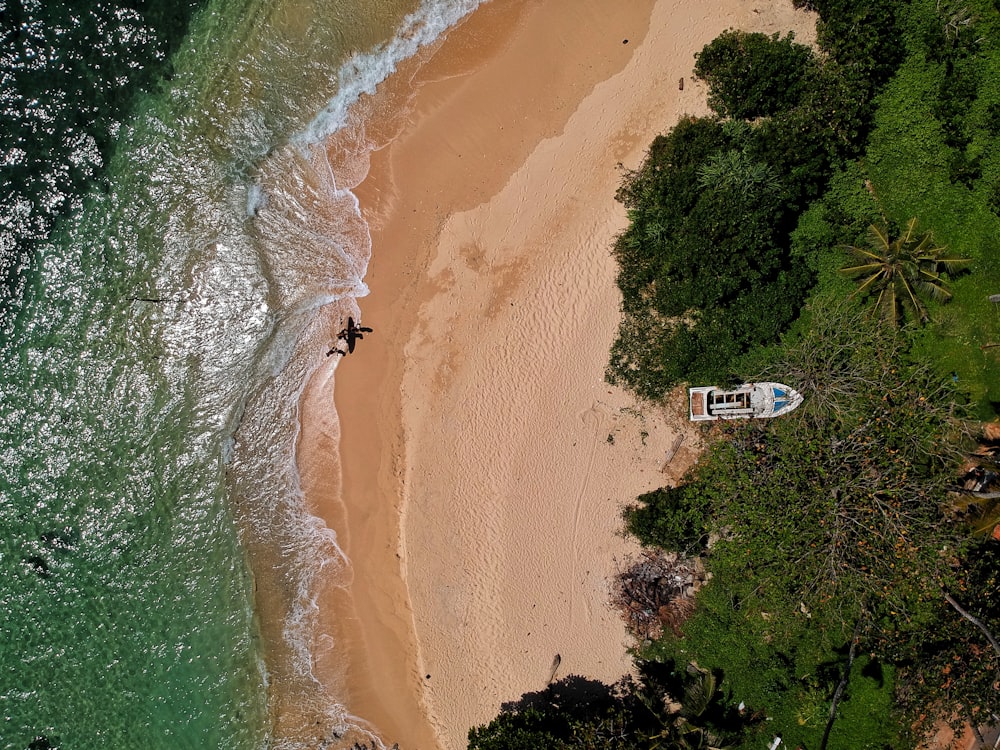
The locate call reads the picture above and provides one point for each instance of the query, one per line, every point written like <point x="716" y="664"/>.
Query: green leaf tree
<point x="664" y="708"/>
<point x="833" y="516"/>
<point x="901" y="272"/>
<point x="687" y="729"/>
<point x="754" y="75"/>
<point x="734" y="170"/>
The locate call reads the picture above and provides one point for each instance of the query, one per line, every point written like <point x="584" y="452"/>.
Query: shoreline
<point x="484" y="460"/>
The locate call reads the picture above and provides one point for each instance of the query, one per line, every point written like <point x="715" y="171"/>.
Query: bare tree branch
<point x="978" y="623"/>
<point x="841" y="685"/>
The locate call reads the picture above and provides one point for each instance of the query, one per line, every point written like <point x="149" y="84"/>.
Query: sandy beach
<point x="484" y="460"/>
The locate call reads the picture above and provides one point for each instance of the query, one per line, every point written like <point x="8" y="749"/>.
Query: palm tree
<point x="980" y="509"/>
<point x="682" y="726"/>
<point x="902" y="271"/>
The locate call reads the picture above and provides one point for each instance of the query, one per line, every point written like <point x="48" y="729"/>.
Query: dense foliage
<point x="832" y="527"/>
<point x="799" y="574"/>
<point x="900" y="272"/>
<point x="707" y="271"/>
<point x="863" y="38"/>
<point x="753" y="75"/>
<point x="667" y="706"/>
<point x="704" y="262"/>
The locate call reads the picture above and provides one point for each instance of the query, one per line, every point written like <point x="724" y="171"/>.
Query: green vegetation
<point x="707" y="267"/>
<point x="753" y="75"/>
<point x="853" y="596"/>
<point x="829" y="526"/>
<point x="587" y="715"/>
<point x="902" y="271"/>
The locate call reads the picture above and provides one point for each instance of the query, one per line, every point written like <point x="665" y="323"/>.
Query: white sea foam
<point x="315" y="248"/>
<point x="256" y="199"/>
<point x="363" y="72"/>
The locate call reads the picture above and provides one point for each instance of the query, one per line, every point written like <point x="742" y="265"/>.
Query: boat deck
<point x="697" y="404"/>
<point x="748" y="401"/>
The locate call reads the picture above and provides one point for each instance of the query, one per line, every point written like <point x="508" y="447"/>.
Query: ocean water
<point x="178" y="243"/>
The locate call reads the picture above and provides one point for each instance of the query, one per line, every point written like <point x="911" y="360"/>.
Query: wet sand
<point x="484" y="460"/>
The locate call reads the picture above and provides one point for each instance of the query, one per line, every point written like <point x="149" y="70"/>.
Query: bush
<point x="754" y="75"/>
<point x="862" y="36"/>
<point x="706" y="268"/>
<point x="658" y="196"/>
<point x="664" y="707"/>
<point x="676" y="519"/>
<point x="709" y="284"/>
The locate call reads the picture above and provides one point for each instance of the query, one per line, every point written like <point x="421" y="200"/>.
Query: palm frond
<point x="880" y="236"/>
<point x="862" y="290"/>
<point x="926" y="274"/>
<point x="858" y="270"/>
<point x="698" y="694"/>
<point x="952" y="264"/>
<point x="902" y="271"/>
<point x="981" y="514"/>
<point x="987" y="520"/>
<point x="910" y="300"/>
<point x="933" y="290"/>
<point x="925" y="249"/>
<point x="885" y="305"/>
<point x="860" y="252"/>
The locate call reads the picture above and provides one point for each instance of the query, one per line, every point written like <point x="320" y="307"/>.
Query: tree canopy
<point x="832" y="525"/>
<point x="901" y="272"/>
<point x="707" y="271"/>
<point x="667" y="706"/>
<point x="754" y="75"/>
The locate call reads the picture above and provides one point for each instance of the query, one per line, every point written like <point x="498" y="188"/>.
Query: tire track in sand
<point x="592" y="417"/>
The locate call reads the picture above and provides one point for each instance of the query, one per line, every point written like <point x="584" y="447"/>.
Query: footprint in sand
<point x="595" y="416"/>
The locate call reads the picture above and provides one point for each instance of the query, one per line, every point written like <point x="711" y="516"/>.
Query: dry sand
<point x="485" y="460"/>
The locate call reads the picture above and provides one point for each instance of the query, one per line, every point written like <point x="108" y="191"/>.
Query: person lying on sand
<point x="350" y="334"/>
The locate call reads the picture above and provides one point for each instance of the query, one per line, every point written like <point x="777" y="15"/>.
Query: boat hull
<point x="764" y="400"/>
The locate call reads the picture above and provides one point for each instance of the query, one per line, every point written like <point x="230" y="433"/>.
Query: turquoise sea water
<point x="176" y="247"/>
